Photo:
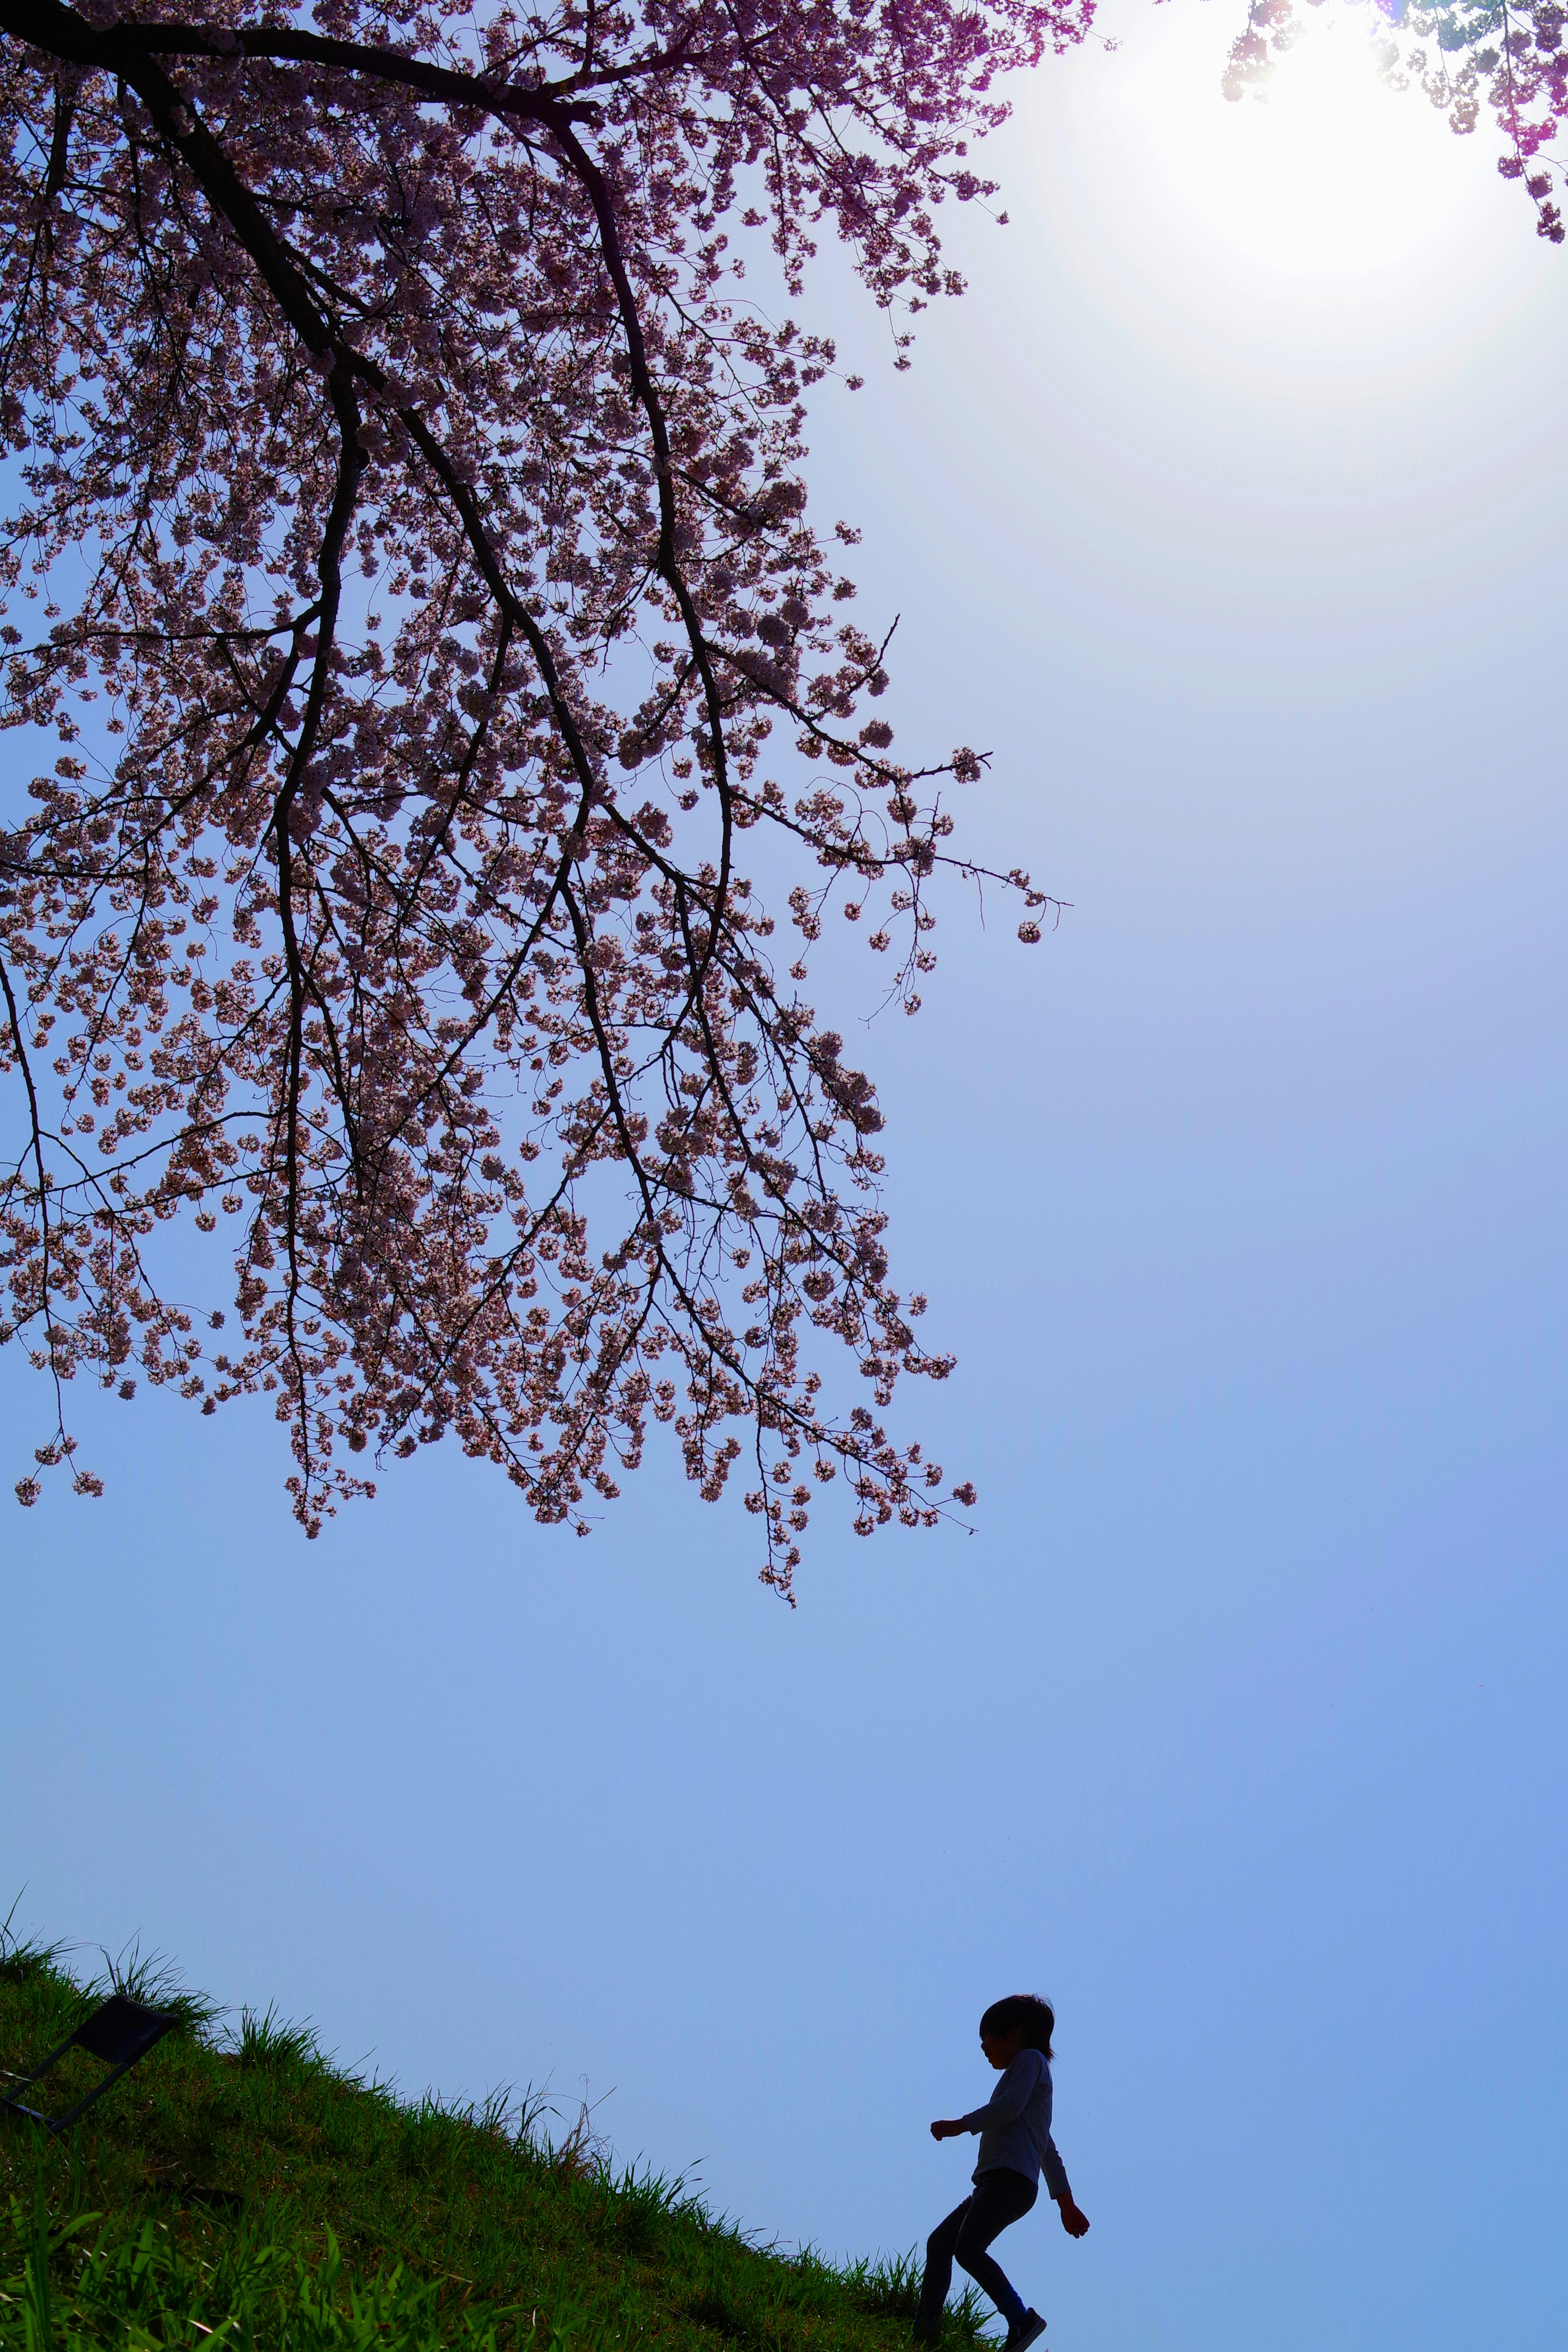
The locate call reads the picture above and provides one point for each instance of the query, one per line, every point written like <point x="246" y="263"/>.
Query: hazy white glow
<point x="1240" y="378"/>
<point x="1330" y="234"/>
<point x="1330" y="174"/>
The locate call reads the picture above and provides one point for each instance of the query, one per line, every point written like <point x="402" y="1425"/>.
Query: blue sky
<point x="1228" y="510"/>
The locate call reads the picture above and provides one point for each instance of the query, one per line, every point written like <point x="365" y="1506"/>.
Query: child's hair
<point x="1034" y="2021"/>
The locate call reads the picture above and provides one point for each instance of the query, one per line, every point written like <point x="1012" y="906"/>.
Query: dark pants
<point x="999" y="2199"/>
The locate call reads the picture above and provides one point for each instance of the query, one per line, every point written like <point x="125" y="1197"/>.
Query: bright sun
<point x="1331" y="175"/>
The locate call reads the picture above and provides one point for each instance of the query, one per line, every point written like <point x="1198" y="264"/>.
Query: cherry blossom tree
<point x="410" y="607"/>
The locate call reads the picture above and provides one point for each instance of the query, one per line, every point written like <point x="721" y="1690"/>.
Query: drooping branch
<point x="463" y="347"/>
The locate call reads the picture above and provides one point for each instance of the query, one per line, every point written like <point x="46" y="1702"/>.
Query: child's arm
<point x="1006" y="2103"/>
<point x="1074" y="2222"/>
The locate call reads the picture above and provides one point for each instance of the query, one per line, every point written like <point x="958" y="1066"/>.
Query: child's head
<point x="1023" y="2019"/>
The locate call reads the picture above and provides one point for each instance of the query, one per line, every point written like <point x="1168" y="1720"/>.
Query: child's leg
<point x="937" y="2277"/>
<point x="1000" y="2198"/>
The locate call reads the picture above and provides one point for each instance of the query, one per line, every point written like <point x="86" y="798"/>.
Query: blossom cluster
<point x="409" y="575"/>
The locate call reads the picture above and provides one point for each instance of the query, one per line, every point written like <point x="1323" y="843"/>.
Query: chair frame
<point x="147" y="2025"/>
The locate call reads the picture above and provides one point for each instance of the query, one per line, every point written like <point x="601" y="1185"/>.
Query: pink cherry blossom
<point x="411" y="611"/>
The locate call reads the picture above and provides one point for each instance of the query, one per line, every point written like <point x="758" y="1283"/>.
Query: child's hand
<point x="1075" y="2223"/>
<point x="950" y="2131"/>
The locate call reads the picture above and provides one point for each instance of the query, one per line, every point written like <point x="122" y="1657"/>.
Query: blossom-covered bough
<point x="409" y="599"/>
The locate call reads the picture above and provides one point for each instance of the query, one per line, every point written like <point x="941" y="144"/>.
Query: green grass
<point x="237" y="2188"/>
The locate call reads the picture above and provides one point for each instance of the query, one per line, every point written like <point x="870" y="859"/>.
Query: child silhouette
<point x="1016" y="2146"/>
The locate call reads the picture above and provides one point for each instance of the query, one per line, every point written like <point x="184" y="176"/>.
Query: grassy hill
<point x="238" y="2188"/>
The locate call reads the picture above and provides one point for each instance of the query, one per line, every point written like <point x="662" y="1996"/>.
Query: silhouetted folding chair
<point x="120" y="2031"/>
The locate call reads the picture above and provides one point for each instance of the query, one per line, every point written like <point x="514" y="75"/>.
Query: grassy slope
<point x="240" y="2187"/>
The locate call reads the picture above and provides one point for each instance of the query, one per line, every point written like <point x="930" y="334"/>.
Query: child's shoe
<point x="1034" y="2327"/>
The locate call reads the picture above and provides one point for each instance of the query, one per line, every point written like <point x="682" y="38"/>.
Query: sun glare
<point x="1328" y="175"/>
<point x="1332" y="220"/>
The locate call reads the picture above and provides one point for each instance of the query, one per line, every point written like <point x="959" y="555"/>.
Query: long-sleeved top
<point x="1014" y="2125"/>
